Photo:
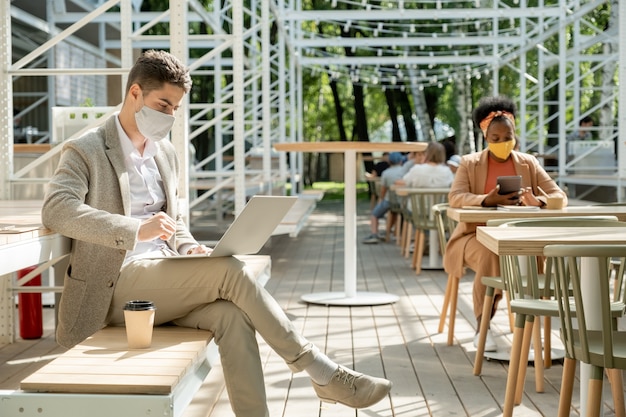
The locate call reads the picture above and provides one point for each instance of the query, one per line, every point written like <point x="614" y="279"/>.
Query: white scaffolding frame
<point x="244" y="116"/>
<point x="261" y="102"/>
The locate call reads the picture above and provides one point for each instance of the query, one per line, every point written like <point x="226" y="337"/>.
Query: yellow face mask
<point x="502" y="150"/>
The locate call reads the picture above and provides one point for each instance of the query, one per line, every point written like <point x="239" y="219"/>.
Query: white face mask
<point x="153" y="124"/>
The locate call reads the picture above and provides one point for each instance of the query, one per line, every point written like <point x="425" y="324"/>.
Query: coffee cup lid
<point x="139" y="305"/>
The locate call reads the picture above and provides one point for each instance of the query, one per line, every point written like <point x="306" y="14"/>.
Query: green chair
<point x="406" y="229"/>
<point x="530" y="300"/>
<point x="445" y="226"/>
<point x="617" y="265"/>
<point x="499" y="283"/>
<point x="587" y="317"/>
<point x="422" y="220"/>
<point x="542" y="289"/>
<point x="492" y="284"/>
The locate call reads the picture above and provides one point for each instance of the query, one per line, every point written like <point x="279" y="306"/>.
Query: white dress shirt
<point x="147" y="195"/>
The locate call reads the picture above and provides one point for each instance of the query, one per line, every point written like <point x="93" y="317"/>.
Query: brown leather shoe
<point x="353" y="389"/>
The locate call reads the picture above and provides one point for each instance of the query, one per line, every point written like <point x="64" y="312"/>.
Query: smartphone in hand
<point x="509" y="184"/>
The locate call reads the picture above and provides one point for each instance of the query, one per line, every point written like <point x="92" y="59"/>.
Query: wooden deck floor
<point x="398" y="341"/>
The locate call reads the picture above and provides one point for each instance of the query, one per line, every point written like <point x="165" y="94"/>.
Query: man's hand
<point x="159" y="226"/>
<point x="198" y="250"/>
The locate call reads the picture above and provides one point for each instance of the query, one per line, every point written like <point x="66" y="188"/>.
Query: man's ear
<point x="136" y="95"/>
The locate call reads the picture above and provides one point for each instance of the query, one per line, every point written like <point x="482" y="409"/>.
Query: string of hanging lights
<point x="410" y="49"/>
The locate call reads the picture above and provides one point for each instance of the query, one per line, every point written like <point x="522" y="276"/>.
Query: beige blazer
<point x="88" y="200"/>
<point x="468" y="189"/>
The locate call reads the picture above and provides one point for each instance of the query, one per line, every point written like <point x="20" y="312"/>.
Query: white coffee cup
<point x="139" y="318"/>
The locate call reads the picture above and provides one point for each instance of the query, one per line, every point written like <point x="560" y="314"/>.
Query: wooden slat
<point x="31" y="147"/>
<point x="85" y="360"/>
<point x="87" y="383"/>
<point x="78" y="368"/>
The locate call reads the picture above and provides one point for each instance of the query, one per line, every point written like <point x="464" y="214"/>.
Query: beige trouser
<point x="486" y="264"/>
<point x="217" y="294"/>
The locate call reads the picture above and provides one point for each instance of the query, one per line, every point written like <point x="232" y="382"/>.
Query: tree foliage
<point x="341" y="105"/>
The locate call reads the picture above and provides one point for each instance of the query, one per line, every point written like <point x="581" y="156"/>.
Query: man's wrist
<point x="187" y="248"/>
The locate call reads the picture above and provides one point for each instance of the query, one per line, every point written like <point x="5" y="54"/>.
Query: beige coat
<point x="468" y="189"/>
<point x="88" y="200"/>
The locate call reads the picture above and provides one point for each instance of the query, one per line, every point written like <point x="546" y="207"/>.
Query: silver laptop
<point x="253" y="226"/>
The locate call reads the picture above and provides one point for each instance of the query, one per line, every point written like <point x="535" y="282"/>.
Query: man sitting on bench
<point x="114" y="193"/>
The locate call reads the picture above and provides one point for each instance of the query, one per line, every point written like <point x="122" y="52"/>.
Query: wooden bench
<point x="101" y="377"/>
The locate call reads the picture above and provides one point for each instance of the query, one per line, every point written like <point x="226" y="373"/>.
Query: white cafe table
<point x="24" y="242"/>
<point x="350" y="296"/>
<point x="532" y="240"/>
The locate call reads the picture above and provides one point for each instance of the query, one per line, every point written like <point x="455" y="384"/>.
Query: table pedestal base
<point x="429" y="266"/>
<point x="505" y="355"/>
<point x="340" y="298"/>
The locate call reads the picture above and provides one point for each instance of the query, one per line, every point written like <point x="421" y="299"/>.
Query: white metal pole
<point x="266" y="117"/>
<point x="621" y="111"/>
<point x="238" y="98"/>
<point x="6" y="103"/>
<point x="180" y="130"/>
<point x="350" y="223"/>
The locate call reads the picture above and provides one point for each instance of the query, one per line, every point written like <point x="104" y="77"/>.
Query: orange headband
<point x="484" y="124"/>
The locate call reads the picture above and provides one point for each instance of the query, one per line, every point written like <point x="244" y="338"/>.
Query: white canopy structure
<point x="61" y="53"/>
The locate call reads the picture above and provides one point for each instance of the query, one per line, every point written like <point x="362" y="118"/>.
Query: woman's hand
<point x="493" y="198"/>
<point x="527" y="198"/>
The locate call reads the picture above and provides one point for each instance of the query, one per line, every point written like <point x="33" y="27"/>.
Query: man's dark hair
<point x="586" y="119"/>
<point x="155" y="68"/>
<point x="489" y="104"/>
<point x="450" y="144"/>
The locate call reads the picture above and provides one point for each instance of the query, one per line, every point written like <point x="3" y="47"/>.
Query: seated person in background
<point x="454" y="162"/>
<point x="432" y="173"/>
<point x="372" y="176"/>
<point x="584" y="130"/>
<point x="450" y="144"/>
<point x="414" y="158"/>
<point x="389" y="177"/>
<point x="380" y="166"/>
<point x="475" y="185"/>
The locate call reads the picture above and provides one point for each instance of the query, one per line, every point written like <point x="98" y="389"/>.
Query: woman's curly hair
<point x="490" y="104"/>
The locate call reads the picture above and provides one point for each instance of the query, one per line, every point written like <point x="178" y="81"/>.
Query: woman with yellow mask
<point x="475" y="184"/>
